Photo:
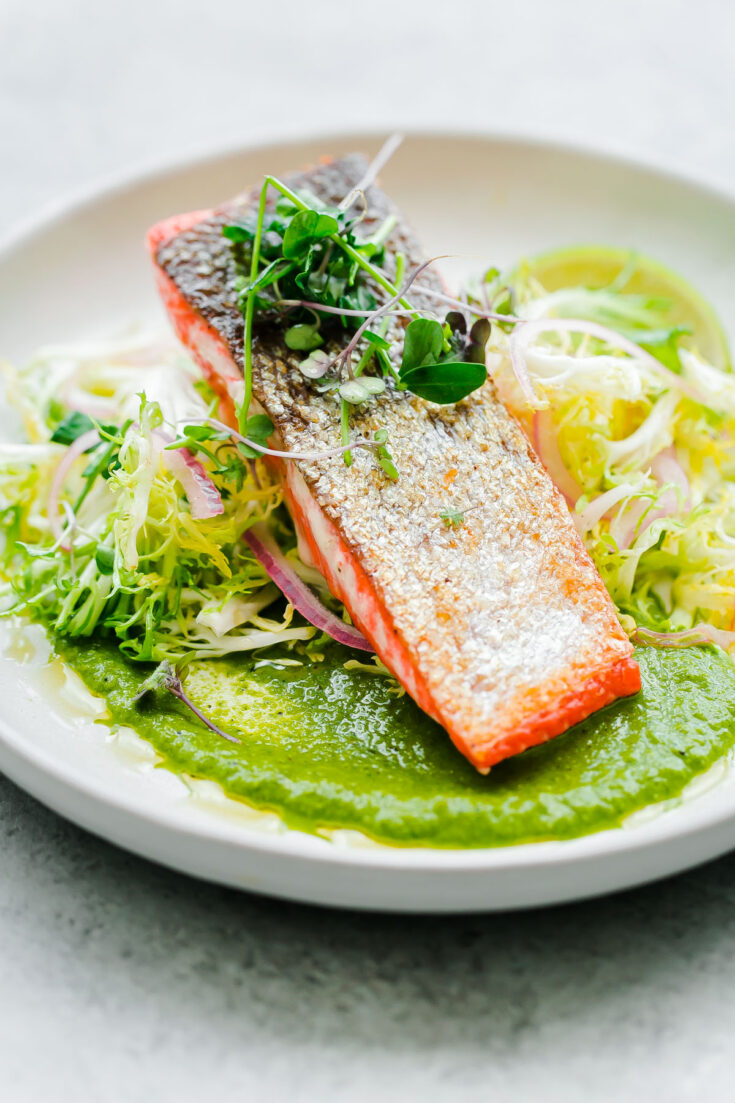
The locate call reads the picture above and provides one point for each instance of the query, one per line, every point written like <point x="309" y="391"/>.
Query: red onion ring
<point x="77" y="399"/>
<point x="600" y="507"/>
<point x="76" y="449"/>
<point x="518" y="363"/>
<point x="270" y="556"/>
<point x="547" y="448"/>
<point x="526" y="332"/>
<point x="203" y="496"/>
<point x="667" y="469"/>
<point x="624" y="527"/>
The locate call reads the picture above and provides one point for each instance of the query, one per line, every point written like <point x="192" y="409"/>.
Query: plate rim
<point x="14" y="751"/>
<point x="150" y="169"/>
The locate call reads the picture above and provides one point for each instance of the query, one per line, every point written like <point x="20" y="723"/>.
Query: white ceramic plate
<point x="83" y="271"/>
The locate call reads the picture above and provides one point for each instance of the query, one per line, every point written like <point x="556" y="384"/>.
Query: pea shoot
<point x="302" y="262"/>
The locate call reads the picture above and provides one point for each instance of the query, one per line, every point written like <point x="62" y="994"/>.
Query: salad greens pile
<point x="642" y="443"/>
<point x="124" y="512"/>
<point x="125" y="554"/>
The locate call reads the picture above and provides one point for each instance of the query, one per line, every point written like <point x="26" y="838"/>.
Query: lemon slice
<point x="598" y="266"/>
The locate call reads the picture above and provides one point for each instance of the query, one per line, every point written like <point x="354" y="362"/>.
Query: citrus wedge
<point x="599" y="266"/>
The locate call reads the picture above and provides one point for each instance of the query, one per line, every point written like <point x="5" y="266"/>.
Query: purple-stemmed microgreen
<point x="166" y="677"/>
<point x="376" y="444"/>
<point x="303" y="255"/>
<point x="370" y="175"/>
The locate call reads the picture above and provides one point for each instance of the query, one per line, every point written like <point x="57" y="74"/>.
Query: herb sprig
<point x="302" y="260"/>
<point x="166" y="677"/>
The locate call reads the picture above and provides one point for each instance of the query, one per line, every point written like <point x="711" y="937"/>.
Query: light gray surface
<point x="119" y="981"/>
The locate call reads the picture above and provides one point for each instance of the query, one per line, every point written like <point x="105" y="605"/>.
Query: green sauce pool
<point x="326" y="747"/>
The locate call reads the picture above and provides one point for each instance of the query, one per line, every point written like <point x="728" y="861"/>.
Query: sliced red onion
<point x="599" y="507"/>
<point x="625" y="526"/>
<point x="689" y="637"/>
<point x="526" y="333"/>
<point x="547" y="447"/>
<point x="270" y="556"/>
<point x="518" y="362"/>
<point x="76" y="449"/>
<point x="203" y="496"/>
<point x="76" y="398"/>
<point x="667" y="469"/>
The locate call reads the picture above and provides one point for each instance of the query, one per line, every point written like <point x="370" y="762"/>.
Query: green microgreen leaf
<point x="452" y="518"/>
<point x="457" y="322"/>
<point x="73" y="426"/>
<point x="353" y="391"/>
<point x="426" y="374"/>
<point x="423" y="343"/>
<point x="372" y="384"/>
<point x="270" y="275"/>
<point x="384" y="457"/>
<point x="479" y="337"/>
<point x="306" y="228"/>
<point x="238" y="232"/>
<point x="377" y="340"/>
<point x="316" y="365"/>
<point x="257" y="429"/>
<point x="444" y="383"/>
<point x="204" y="432"/>
<point x="303" y="336"/>
<point x="105" y="559"/>
<point x="360" y="390"/>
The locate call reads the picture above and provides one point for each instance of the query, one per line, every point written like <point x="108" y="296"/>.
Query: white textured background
<point x="123" y="982"/>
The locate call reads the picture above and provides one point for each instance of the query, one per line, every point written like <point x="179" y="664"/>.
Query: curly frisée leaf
<point x="646" y="458"/>
<point x="140" y="567"/>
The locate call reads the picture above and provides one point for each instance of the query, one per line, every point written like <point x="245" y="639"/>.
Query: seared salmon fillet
<point x="500" y="628"/>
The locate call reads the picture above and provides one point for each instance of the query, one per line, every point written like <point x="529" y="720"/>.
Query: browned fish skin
<point x="199" y="260"/>
<point x="500" y="628"/>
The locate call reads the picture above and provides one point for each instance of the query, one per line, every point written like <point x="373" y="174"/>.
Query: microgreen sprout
<point x="300" y="259"/>
<point x="166" y="677"/>
<point x="382" y="158"/>
<point x="316" y="365"/>
<point x="452" y="518"/>
<point x="377" y="444"/>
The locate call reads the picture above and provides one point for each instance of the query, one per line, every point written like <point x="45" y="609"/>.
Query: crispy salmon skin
<point x="500" y="628"/>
